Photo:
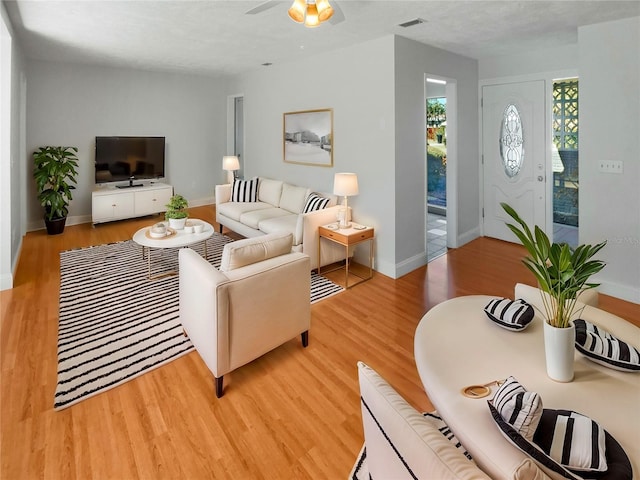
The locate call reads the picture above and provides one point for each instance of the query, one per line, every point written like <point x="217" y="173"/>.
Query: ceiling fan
<point x="297" y="10"/>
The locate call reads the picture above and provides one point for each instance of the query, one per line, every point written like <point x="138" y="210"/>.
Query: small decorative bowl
<point x="198" y="227"/>
<point x="158" y="230"/>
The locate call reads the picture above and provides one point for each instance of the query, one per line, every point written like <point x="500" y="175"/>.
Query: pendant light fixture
<point x="310" y="12"/>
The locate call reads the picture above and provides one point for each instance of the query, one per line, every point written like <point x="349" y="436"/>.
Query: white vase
<point x="177" y="223"/>
<point x="559" y="350"/>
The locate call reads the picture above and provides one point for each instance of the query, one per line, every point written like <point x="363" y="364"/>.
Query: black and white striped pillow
<point x="521" y="409"/>
<point x="572" y="440"/>
<point x="315" y="202"/>
<point x="244" y="190"/>
<point x="566" y="442"/>
<point x="601" y="347"/>
<point x="444" y="429"/>
<point x="510" y="314"/>
<point x="527" y="446"/>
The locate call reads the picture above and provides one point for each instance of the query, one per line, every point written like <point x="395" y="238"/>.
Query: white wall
<point x="607" y="62"/>
<point x="357" y="82"/>
<point x="524" y="63"/>
<point x="609" y="58"/>
<point x="412" y="61"/>
<point x="377" y="92"/>
<point x="11" y="164"/>
<point x="69" y="104"/>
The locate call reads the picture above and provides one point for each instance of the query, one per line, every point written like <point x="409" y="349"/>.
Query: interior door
<point x="513" y="149"/>
<point x="238" y="133"/>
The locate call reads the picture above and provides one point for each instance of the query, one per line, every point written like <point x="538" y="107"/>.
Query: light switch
<point x="611" y="166"/>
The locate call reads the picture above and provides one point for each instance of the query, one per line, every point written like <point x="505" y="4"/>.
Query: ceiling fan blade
<point x="338" y="14"/>
<point x="262" y="7"/>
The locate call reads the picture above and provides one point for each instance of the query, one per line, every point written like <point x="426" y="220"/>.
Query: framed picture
<point x="308" y="137"/>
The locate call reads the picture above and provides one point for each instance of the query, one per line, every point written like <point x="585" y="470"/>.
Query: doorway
<point x="436" y="143"/>
<point x="235" y="129"/>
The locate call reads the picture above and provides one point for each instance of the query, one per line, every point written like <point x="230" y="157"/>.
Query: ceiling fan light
<point x="311" y="20"/>
<point x="296" y="12"/>
<point x="325" y="10"/>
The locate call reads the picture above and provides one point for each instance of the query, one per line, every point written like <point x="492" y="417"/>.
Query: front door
<point x="513" y="149"/>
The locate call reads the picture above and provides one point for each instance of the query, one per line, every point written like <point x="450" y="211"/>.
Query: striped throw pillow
<point x="315" y="202"/>
<point x="444" y="429"/>
<point x="572" y="440"/>
<point x="601" y="347"/>
<point x="510" y="314"/>
<point x="521" y="409"/>
<point x="244" y="190"/>
<point x="566" y="442"/>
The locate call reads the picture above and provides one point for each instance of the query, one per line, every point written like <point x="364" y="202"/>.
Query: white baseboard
<point x="34" y="226"/>
<point x="468" y="236"/>
<point x="71" y="220"/>
<point x="410" y="264"/>
<point x="199" y="202"/>
<point x="6" y="281"/>
<point x="385" y="268"/>
<point x="76" y="220"/>
<point x="622" y="292"/>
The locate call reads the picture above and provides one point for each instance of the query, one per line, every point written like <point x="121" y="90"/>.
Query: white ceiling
<point x="216" y="37"/>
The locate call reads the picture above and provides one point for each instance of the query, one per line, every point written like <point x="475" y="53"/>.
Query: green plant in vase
<point x="55" y="171"/>
<point x="561" y="271"/>
<point x="176" y="212"/>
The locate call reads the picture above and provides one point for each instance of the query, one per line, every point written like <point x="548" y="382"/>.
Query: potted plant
<point x="55" y="170"/>
<point x="176" y="212"/>
<point x="562" y="273"/>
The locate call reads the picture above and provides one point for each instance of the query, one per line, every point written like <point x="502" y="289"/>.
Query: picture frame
<point x="307" y="137"/>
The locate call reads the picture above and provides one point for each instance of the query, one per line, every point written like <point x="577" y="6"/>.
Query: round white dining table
<point x="456" y="345"/>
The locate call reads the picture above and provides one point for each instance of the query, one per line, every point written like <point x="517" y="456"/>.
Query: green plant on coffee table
<point x="561" y="271"/>
<point x="176" y="208"/>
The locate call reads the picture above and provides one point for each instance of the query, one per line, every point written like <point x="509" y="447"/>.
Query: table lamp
<point x="231" y="164"/>
<point x="346" y="185"/>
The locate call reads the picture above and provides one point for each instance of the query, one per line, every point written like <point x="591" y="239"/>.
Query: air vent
<point x="411" y="23"/>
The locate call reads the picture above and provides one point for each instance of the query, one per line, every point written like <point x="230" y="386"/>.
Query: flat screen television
<point x="129" y="158"/>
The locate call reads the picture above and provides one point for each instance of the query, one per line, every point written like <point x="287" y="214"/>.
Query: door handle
<point x="540" y="178"/>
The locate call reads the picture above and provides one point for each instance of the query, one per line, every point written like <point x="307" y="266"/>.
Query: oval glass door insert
<point x="511" y="141"/>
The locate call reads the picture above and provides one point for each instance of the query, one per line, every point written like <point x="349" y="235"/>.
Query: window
<point x="511" y="141"/>
<point x="565" y="152"/>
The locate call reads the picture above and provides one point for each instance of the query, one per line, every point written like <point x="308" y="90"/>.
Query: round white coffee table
<point x="177" y="239"/>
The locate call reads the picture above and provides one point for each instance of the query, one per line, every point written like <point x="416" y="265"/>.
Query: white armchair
<point x="255" y="302"/>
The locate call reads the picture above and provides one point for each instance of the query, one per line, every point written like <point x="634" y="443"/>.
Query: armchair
<point x="255" y="302"/>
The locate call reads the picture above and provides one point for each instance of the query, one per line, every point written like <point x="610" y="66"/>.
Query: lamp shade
<point x="297" y="10"/>
<point x="325" y="11"/>
<point x="345" y="184"/>
<point x="311" y="20"/>
<point x="230" y="163"/>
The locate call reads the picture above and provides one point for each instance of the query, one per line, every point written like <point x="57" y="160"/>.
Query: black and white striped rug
<point x="115" y="324"/>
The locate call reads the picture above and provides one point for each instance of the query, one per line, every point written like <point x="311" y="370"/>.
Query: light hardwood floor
<point x="294" y="413"/>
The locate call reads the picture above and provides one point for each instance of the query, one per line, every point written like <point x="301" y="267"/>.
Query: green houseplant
<point x="176" y="212"/>
<point x="562" y="273"/>
<point x="55" y="172"/>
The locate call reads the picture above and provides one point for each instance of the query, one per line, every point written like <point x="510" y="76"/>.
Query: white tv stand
<point x="109" y="203"/>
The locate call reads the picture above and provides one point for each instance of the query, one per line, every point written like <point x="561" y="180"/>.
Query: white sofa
<point x="227" y="330"/>
<point x="278" y="209"/>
